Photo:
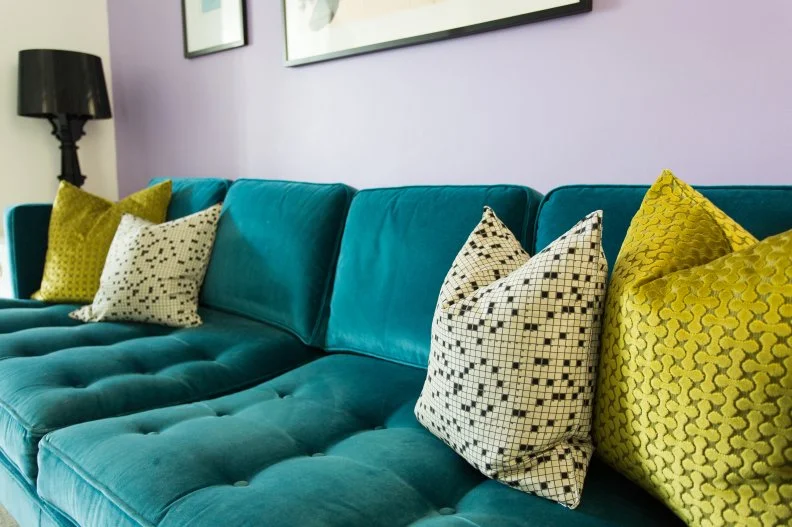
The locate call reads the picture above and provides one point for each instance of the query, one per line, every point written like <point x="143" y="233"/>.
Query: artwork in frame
<point x="318" y="30"/>
<point x="210" y="26"/>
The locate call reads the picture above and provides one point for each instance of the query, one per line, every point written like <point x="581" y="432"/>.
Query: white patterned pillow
<point x="514" y="346"/>
<point x="153" y="273"/>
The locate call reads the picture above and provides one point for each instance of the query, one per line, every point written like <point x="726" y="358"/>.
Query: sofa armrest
<point x="27" y="231"/>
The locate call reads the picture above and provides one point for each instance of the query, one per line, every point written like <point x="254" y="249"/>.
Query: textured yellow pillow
<point x="81" y="230"/>
<point x="694" y="400"/>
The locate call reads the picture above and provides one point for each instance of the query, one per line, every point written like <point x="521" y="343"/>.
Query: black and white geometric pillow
<point x="153" y="273"/>
<point x="514" y="347"/>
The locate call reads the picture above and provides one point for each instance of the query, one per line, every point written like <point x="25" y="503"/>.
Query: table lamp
<point x="67" y="88"/>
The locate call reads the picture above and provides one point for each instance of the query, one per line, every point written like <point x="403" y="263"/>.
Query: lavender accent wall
<point x="613" y="96"/>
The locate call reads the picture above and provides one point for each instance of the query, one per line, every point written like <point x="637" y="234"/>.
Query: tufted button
<point x="447" y="511"/>
<point x="380" y="427"/>
<point x="288" y="396"/>
<point x="318" y="454"/>
<point x="153" y="433"/>
<point x="79" y="385"/>
<point x="241" y="483"/>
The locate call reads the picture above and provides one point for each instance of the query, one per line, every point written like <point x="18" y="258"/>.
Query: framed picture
<point x="213" y="25"/>
<point x="318" y="30"/>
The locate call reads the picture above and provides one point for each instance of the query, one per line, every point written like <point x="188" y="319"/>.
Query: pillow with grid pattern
<point x="153" y="273"/>
<point x="514" y="346"/>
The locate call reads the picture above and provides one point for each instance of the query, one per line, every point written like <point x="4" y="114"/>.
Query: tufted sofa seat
<point x="57" y="373"/>
<point x="264" y="306"/>
<point x="332" y="443"/>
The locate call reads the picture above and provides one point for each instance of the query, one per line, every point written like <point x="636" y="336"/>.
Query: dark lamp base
<point x="69" y="130"/>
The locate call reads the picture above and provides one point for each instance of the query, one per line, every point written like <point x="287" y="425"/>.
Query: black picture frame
<point x="582" y="6"/>
<point x="221" y="47"/>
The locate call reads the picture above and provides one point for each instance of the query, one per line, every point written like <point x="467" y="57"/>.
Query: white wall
<point x="29" y="155"/>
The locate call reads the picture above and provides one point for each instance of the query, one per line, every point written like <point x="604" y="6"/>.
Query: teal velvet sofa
<point x="293" y="405"/>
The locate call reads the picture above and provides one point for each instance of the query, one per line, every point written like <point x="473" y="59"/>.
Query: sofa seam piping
<point x="114" y="499"/>
<point x="19" y="479"/>
<point x="368" y="354"/>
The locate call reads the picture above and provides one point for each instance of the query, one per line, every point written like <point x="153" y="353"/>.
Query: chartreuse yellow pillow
<point x="694" y="400"/>
<point x="81" y="230"/>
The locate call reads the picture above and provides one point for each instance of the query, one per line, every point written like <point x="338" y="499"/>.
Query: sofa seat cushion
<point x="332" y="443"/>
<point x="55" y="372"/>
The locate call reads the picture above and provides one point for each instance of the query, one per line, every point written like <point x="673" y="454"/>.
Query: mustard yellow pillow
<point x="81" y="230"/>
<point x="694" y="400"/>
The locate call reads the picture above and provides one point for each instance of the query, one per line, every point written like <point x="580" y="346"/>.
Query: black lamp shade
<point x="55" y="82"/>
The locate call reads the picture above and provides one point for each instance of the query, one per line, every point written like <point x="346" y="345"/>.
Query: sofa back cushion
<point x="275" y="253"/>
<point x="762" y="210"/>
<point x="191" y="195"/>
<point x="398" y="245"/>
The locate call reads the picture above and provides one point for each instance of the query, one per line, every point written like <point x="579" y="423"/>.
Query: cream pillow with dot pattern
<point x="514" y="345"/>
<point x="153" y="273"/>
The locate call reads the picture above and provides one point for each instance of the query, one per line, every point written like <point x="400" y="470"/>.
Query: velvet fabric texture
<point x="27" y="228"/>
<point x="763" y="211"/>
<point x="694" y="399"/>
<point x="191" y="195"/>
<point x="248" y="458"/>
<point x="55" y="375"/>
<point x="275" y="253"/>
<point x="398" y="245"/>
<point x="81" y="230"/>
<point x="19" y="497"/>
<point x="333" y="443"/>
